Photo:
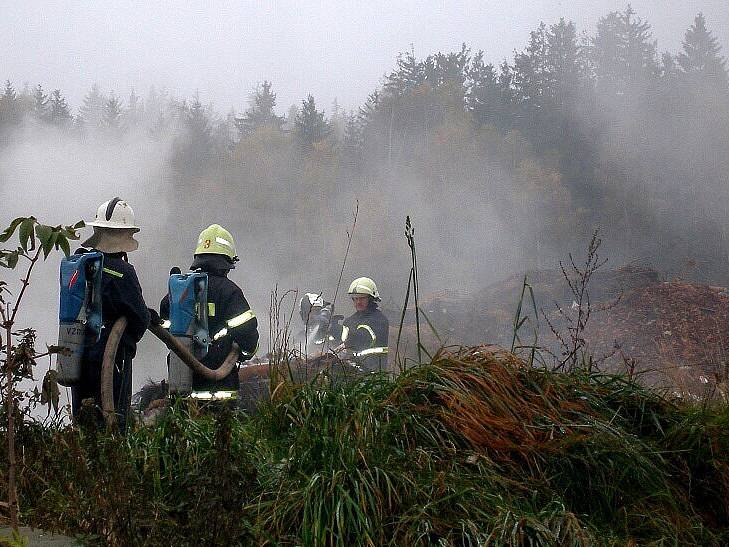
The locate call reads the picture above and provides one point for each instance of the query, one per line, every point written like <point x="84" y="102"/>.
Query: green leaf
<point x="51" y="243"/>
<point x="71" y="233"/>
<point x="51" y="392"/>
<point x="48" y="243"/>
<point x="26" y="233"/>
<point x="44" y="233"/>
<point x="79" y="224"/>
<point x="8" y="232"/>
<point x="11" y="259"/>
<point x="62" y="243"/>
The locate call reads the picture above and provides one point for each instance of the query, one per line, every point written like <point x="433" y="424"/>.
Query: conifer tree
<point x="134" y="112"/>
<point x="58" y="112"/>
<point x="564" y="64"/>
<point x="40" y="104"/>
<point x="91" y="112"/>
<point x="701" y="57"/>
<point x="10" y="114"/>
<point x="311" y="125"/>
<point x="194" y="146"/>
<point x="483" y="95"/>
<point x="112" y="113"/>
<point x="260" y="112"/>
<point x="530" y="80"/>
<point x="623" y="53"/>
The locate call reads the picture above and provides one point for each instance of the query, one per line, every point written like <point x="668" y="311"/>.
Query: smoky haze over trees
<point x="504" y="165"/>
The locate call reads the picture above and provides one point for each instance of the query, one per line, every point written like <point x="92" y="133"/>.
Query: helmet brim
<point x="112" y="226"/>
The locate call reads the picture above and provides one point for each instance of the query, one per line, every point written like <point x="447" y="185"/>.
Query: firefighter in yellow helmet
<point x="230" y="318"/>
<point x="365" y="333"/>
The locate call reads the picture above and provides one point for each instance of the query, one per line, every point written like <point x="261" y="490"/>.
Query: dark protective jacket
<point x="367" y="331"/>
<point x="121" y="295"/>
<point x="226" y="306"/>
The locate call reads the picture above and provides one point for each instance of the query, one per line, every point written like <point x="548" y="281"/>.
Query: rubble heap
<point x="675" y="333"/>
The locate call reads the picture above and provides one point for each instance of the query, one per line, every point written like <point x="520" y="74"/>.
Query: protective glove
<point x="154" y="317"/>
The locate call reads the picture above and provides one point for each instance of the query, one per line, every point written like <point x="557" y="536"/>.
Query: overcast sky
<point x="333" y="48"/>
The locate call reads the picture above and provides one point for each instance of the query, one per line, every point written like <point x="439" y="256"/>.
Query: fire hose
<point x="174" y="345"/>
<point x="112" y="345"/>
<point x="107" y="370"/>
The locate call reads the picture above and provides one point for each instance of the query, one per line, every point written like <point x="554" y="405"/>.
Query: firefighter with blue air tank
<point x="116" y="293"/>
<point x="228" y="318"/>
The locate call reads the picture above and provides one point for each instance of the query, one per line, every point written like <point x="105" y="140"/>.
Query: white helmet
<point x="314" y="299"/>
<point x="307" y="302"/>
<point x="115" y="214"/>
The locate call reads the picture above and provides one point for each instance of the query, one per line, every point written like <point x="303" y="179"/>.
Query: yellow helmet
<point x="216" y="240"/>
<point x="364" y="285"/>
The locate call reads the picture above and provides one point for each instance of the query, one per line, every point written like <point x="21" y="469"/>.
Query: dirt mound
<point x="677" y="334"/>
<point x="457" y="317"/>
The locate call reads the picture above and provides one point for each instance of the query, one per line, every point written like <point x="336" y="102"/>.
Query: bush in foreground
<point x="471" y="449"/>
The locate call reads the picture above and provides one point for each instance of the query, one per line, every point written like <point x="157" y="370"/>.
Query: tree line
<point x="574" y="131"/>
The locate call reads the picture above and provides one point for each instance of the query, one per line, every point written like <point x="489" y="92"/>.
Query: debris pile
<point x="675" y="333"/>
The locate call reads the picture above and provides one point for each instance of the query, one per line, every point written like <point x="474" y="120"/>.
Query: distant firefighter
<point x="365" y="333"/>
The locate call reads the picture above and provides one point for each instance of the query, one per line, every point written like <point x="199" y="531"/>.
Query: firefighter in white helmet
<point x="114" y="229"/>
<point x="365" y="333"/>
<point x="230" y="318"/>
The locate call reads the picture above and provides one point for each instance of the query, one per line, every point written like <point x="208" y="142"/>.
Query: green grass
<point x="471" y="449"/>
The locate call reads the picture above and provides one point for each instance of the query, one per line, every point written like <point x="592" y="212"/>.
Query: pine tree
<point x="622" y="52"/>
<point x="58" y="112"/>
<point x="484" y="97"/>
<point x="92" y="111"/>
<point x="260" y="113"/>
<point x="530" y="80"/>
<point x="289" y="124"/>
<point x="112" y="113"/>
<point x="564" y="65"/>
<point x="193" y="148"/>
<point x="701" y="56"/>
<point x="448" y="69"/>
<point x="311" y="125"/>
<point x="353" y="139"/>
<point x="197" y="121"/>
<point x="135" y="111"/>
<point x="409" y="74"/>
<point x="367" y="113"/>
<point x="40" y="104"/>
<point x="10" y="114"/>
<point x="26" y="101"/>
